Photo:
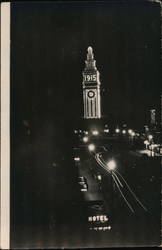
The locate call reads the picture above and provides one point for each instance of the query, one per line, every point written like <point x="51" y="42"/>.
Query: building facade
<point x="91" y="88"/>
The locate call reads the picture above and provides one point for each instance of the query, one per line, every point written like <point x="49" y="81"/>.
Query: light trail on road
<point x="105" y="167"/>
<point x="134" y="195"/>
<point x="128" y="204"/>
<point x="116" y="180"/>
<point x="112" y="175"/>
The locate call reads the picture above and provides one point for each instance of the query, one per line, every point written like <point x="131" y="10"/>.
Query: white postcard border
<point x="5" y="126"/>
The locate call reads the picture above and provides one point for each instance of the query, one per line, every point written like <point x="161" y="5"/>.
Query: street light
<point x="111" y="165"/>
<point x="133" y="133"/>
<point x="146" y="142"/>
<point x="150" y="137"/>
<point x="124" y="132"/>
<point x="76" y="158"/>
<point x="91" y="147"/>
<point x="85" y="138"/>
<point x="117" y="130"/>
<point x="130" y="131"/>
<point x="95" y="132"/>
<point x="99" y="177"/>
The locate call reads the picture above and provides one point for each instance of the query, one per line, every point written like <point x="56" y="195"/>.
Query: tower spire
<point x="90" y="62"/>
<point x="90" y="55"/>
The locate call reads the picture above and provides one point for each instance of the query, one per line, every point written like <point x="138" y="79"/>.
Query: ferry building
<point x="91" y="88"/>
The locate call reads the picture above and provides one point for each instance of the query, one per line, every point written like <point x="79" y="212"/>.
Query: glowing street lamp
<point x="133" y="133"/>
<point x="91" y="147"/>
<point x="76" y="158"/>
<point x="99" y="177"/>
<point x="123" y="131"/>
<point x="152" y="146"/>
<point x="111" y="165"/>
<point x="150" y="137"/>
<point x="146" y="142"/>
<point x="117" y="130"/>
<point x="85" y="139"/>
<point x="130" y="131"/>
<point x="95" y="132"/>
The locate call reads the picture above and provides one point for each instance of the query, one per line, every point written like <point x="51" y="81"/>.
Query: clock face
<point x="90" y="78"/>
<point x="91" y="94"/>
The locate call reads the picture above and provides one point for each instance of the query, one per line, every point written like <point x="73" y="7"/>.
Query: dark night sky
<point x="49" y="43"/>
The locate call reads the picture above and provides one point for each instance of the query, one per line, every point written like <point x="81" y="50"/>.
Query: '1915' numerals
<point x="90" y="78"/>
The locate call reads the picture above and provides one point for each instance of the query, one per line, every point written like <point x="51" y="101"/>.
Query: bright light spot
<point x="150" y="137"/>
<point x="111" y="165"/>
<point x="117" y="130"/>
<point x="83" y="190"/>
<point x="130" y="131"/>
<point x="106" y="130"/>
<point x="124" y="131"/>
<point x="133" y="133"/>
<point x="146" y="142"/>
<point x="85" y="138"/>
<point x="100" y="228"/>
<point x="95" y="132"/>
<point x="76" y="158"/>
<point x="99" y="177"/>
<point x="151" y="146"/>
<point x="86" y="132"/>
<point x="101" y="218"/>
<point x="75" y="131"/>
<point x="91" y="147"/>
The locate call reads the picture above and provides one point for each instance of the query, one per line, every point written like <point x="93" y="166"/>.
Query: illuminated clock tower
<point x="91" y="88"/>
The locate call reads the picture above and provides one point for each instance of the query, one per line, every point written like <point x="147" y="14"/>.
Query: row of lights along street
<point x="147" y="139"/>
<point x="97" y="133"/>
<point x="117" y="131"/>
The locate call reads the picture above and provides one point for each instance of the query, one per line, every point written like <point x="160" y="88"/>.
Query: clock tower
<point x="91" y="88"/>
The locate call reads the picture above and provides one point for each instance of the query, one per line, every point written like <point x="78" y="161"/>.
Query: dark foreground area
<point x="48" y="209"/>
<point x="126" y="231"/>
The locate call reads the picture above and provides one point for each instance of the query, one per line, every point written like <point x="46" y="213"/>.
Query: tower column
<point x="91" y="88"/>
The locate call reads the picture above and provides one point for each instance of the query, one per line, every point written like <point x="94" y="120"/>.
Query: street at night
<point x="72" y="215"/>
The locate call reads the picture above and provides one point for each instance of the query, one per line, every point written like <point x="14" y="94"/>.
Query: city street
<point x="60" y="221"/>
